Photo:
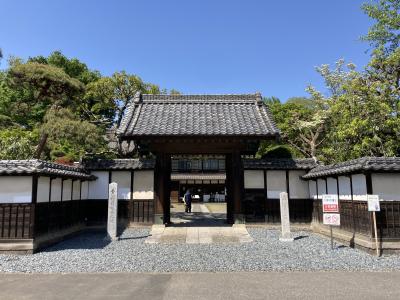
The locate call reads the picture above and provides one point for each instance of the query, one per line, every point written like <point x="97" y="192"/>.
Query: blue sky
<point x="205" y="46"/>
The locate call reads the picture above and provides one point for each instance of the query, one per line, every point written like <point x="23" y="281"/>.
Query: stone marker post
<point x="285" y="222"/>
<point x="112" y="211"/>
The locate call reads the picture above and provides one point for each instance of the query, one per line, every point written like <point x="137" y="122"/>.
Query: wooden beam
<point x="237" y="186"/>
<point x="162" y="178"/>
<point x="130" y="207"/>
<point x="33" y="206"/>
<point x="368" y="180"/>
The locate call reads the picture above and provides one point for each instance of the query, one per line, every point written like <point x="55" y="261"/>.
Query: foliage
<point x="69" y="137"/>
<point x="72" y="67"/>
<point x="275" y="150"/>
<point x="17" y="143"/>
<point x="29" y="89"/>
<point x="64" y="98"/>
<point x="300" y="125"/>
<point x="109" y="96"/>
<point x="384" y="34"/>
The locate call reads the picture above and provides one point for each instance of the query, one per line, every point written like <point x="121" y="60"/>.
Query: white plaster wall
<point x="98" y="189"/>
<point x="43" y="189"/>
<point x="332" y="186"/>
<point x="312" y="186"/>
<point x="387" y="186"/>
<point x="143" y="185"/>
<point x="253" y="179"/>
<point x="359" y="187"/>
<point x="298" y="188"/>
<point x="56" y="190"/>
<point x="85" y="190"/>
<point x="344" y="188"/>
<point x="15" y="189"/>
<point x="321" y="188"/>
<point x="123" y="179"/>
<point x="76" y="190"/>
<point x="276" y="183"/>
<point x="67" y="190"/>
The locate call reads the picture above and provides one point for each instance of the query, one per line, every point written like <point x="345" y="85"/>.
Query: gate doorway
<point x="205" y="177"/>
<point x="167" y="125"/>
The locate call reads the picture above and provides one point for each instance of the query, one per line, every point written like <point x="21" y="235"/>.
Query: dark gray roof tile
<point x="41" y="167"/>
<point x="279" y="164"/>
<point x="204" y="115"/>
<point x="363" y="164"/>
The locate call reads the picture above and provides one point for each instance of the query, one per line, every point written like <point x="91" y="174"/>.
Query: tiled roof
<point x="376" y="164"/>
<point x="198" y="176"/>
<point x="118" y="164"/>
<point x="41" y="167"/>
<point x="279" y="164"/>
<point x="202" y="115"/>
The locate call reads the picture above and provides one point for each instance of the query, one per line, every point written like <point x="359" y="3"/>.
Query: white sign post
<point x="112" y="211"/>
<point x="374" y="206"/>
<point x="330" y="209"/>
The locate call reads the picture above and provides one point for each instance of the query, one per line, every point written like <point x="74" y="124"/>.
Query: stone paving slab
<point x="198" y="235"/>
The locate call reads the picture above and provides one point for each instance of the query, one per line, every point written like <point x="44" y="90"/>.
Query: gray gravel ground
<point x="89" y="252"/>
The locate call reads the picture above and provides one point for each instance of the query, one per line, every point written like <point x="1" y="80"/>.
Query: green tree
<point x="18" y="143"/>
<point x="365" y="116"/>
<point x="384" y="34"/>
<point x="73" y="67"/>
<point x="108" y="97"/>
<point x="32" y="88"/>
<point x="69" y="137"/>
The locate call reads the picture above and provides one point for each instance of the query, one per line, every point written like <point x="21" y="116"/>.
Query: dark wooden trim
<point x="337" y="187"/>
<point x="265" y="185"/>
<point x="109" y="176"/>
<point x="368" y="181"/>
<point x="34" y="201"/>
<point x="316" y="187"/>
<point x="80" y="190"/>
<point x="62" y="189"/>
<point x="51" y="180"/>
<point x="351" y="186"/>
<point x="287" y="183"/>
<point x="72" y="190"/>
<point x="34" y="188"/>
<point x="130" y="206"/>
<point x="326" y="185"/>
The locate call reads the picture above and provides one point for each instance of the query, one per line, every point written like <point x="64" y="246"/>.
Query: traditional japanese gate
<point x="165" y="125"/>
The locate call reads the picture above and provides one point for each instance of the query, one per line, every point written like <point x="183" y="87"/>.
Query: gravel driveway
<point x="89" y="252"/>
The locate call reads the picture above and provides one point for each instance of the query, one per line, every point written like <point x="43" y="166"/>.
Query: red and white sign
<point x="332" y="219"/>
<point x="330" y="204"/>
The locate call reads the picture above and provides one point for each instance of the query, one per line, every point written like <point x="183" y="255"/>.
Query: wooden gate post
<point x="237" y="187"/>
<point x="162" y="182"/>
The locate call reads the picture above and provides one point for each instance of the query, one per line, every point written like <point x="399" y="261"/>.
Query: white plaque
<point x="373" y="203"/>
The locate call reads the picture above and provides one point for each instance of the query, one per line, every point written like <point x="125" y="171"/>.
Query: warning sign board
<point x="330" y="204"/>
<point x="332" y="219"/>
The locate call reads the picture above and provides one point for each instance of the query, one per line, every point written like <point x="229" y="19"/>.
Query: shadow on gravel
<point x="300" y="237"/>
<point x="86" y="240"/>
<point x="134" y="237"/>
